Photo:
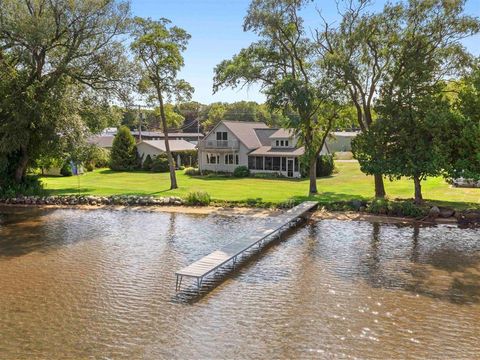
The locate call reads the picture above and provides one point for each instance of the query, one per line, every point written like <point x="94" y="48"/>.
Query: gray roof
<point x="282" y="134"/>
<point x="264" y="136"/>
<point x="245" y="132"/>
<point x="103" y="141"/>
<point x="173" y="134"/>
<point x="269" y="151"/>
<point x="175" y="145"/>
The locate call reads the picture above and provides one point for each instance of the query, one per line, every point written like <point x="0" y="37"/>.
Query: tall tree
<point x="427" y="54"/>
<point x="158" y="47"/>
<point x="283" y="62"/>
<point x="48" y="47"/>
<point x="358" y="53"/>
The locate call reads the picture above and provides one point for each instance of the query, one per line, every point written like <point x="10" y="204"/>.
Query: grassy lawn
<point x="349" y="183"/>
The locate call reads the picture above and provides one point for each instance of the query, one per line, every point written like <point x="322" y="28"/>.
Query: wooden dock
<point x="230" y="252"/>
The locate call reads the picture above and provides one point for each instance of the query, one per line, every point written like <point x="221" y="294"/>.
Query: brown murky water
<point x="100" y="284"/>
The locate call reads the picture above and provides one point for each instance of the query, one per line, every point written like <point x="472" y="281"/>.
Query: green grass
<point x="349" y="183"/>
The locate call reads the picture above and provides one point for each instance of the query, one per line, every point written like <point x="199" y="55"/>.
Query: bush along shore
<point x="396" y="208"/>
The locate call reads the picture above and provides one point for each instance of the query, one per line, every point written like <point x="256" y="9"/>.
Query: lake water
<point x="100" y="284"/>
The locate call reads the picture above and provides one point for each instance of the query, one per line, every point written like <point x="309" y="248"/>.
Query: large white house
<point x="253" y="144"/>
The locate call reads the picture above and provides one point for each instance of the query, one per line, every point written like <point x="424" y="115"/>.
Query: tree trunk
<point x="418" y="190"/>
<point x="173" y="178"/>
<point x="313" y="176"/>
<point x="379" y="186"/>
<point x="22" y="165"/>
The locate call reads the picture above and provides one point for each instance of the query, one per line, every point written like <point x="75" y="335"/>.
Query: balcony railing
<point x="219" y="144"/>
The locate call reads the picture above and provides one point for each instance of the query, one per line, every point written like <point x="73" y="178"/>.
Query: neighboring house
<point x="253" y="144"/>
<point x="155" y="135"/>
<point x="180" y="149"/>
<point x="103" y="141"/>
<point x="340" y="141"/>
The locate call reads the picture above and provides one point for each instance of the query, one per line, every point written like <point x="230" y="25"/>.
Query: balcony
<point x="219" y="144"/>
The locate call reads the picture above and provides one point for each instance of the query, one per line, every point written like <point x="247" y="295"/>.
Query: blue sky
<point x="217" y="34"/>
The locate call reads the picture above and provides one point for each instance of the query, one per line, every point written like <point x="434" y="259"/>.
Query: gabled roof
<point x="282" y="134"/>
<point x="175" y="145"/>
<point x="245" y="132"/>
<point x="264" y="136"/>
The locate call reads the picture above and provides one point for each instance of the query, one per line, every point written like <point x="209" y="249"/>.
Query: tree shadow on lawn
<point x="329" y="197"/>
<point x="70" y="191"/>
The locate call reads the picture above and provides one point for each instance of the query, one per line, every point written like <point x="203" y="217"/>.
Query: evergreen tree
<point x="124" y="151"/>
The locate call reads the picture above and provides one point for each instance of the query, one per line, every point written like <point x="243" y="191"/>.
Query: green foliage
<point x="268" y="175"/>
<point x="124" y="151"/>
<point x="190" y="171"/>
<point x="406" y="208"/>
<point x="241" y="171"/>
<point x="30" y="187"/>
<point x="325" y="165"/>
<point x="147" y="163"/>
<point x="160" y="163"/>
<point x="461" y="139"/>
<point x="66" y="170"/>
<point x="198" y="198"/>
<point x="96" y="157"/>
<point x="54" y="58"/>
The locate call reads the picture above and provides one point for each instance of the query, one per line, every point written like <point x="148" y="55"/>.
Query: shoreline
<point x="319" y="214"/>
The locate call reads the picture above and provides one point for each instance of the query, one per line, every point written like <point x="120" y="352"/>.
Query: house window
<point x="296" y="164"/>
<point x="281" y="143"/>
<point x="251" y="162"/>
<point x="231" y="159"/>
<point x="259" y="163"/>
<point x="222" y="135"/>
<point x="276" y="143"/>
<point x="286" y="142"/>
<point x="268" y="163"/>
<point x="276" y="163"/>
<point x="213" y="159"/>
<point x="284" y="164"/>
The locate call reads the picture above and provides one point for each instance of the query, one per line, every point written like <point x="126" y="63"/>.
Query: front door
<point x="290" y="167"/>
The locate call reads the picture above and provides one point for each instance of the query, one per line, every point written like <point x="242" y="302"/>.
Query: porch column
<point x="179" y="161"/>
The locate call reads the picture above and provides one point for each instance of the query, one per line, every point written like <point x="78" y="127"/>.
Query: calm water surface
<point x="100" y="284"/>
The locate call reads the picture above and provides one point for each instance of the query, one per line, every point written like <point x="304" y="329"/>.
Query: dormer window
<point x="276" y="143"/>
<point x="281" y="143"/>
<point x="286" y="142"/>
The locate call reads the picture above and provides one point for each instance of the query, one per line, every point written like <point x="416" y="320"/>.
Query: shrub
<point x="96" y="157"/>
<point x="160" y="163"/>
<point x="406" y="208"/>
<point x="147" y="163"/>
<point x="241" y="171"/>
<point x="325" y="165"/>
<point x="66" y="170"/>
<point x="198" y="198"/>
<point x="378" y="206"/>
<point x="190" y="171"/>
<point x="31" y="186"/>
<point x="124" y="151"/>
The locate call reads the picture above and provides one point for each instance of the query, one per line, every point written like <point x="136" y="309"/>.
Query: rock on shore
<point x="124" y="200"/>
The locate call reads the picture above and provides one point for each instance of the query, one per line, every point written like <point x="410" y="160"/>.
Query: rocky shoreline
<point x="465" y="218"/>
<point x="121" y="200"/>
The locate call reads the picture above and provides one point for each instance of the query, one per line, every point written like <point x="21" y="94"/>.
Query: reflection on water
<point x="101" y="284"/>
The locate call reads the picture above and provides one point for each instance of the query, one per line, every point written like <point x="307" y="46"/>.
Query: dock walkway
<point x="212" y="262"/>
